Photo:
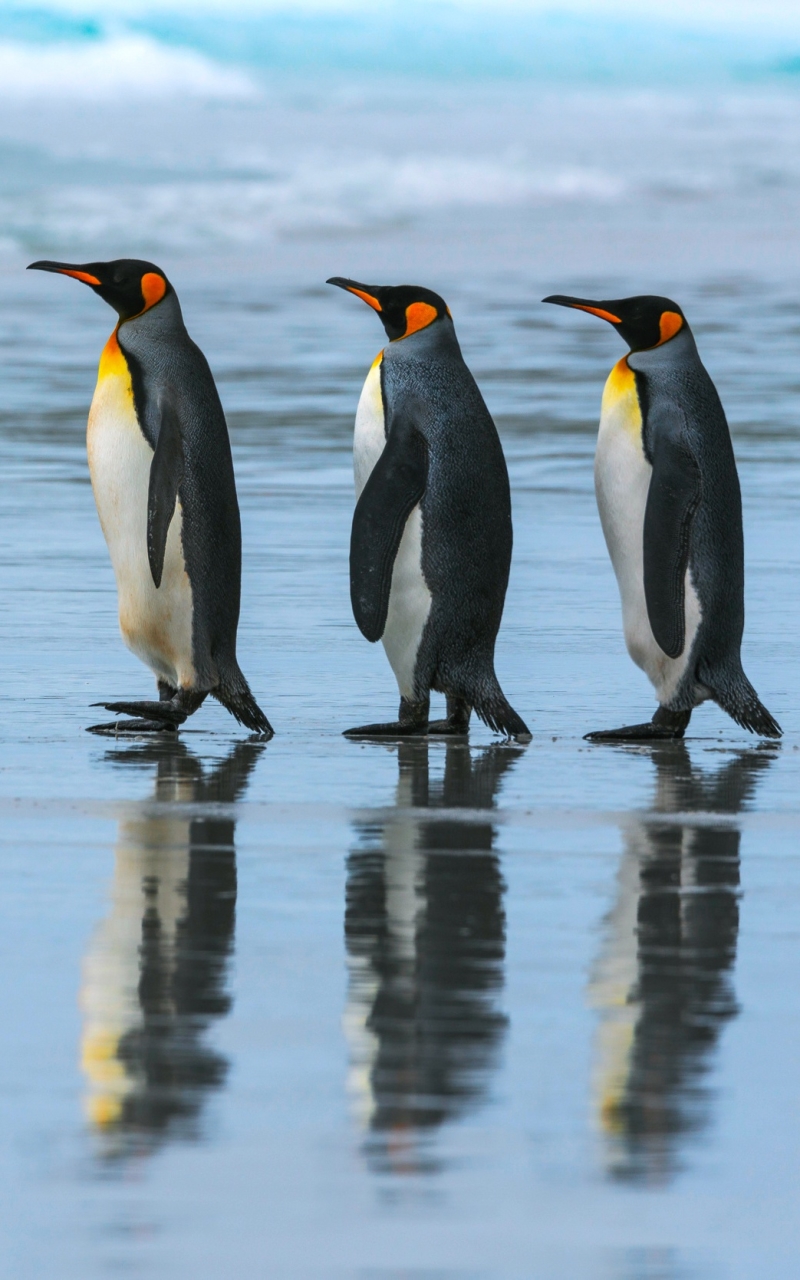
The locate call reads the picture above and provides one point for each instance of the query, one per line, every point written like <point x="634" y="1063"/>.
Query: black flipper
<point x="393" y="490"/>
<point x="166" y="473"/>
<point x="673" y="497"/>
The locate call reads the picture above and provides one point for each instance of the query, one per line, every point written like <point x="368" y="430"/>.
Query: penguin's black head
<point x="645" y="321"/>
<point x="403" y="308"/>
<point x="128" y="285"/>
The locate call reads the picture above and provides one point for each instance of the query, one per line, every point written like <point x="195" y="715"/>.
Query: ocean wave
<point x="314" y="196"/>
<point x="221" y="50"/>
<point x="132" y="65"/>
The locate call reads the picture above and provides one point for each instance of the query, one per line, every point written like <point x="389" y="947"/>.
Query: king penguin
<point x="671" y="510"/>
<point x="430" y="550"/>
<point x="162" y="475"/>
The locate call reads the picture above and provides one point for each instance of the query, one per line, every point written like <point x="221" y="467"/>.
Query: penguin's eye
<point x="119" y="278"/>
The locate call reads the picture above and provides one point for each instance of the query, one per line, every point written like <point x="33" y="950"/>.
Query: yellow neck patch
<point x="112" y="362"/>
<point x="621" y="400"/>
<point x="113" y="368"/>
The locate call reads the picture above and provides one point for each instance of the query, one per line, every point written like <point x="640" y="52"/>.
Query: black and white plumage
<point x="431" y="541"/>
<point x="162" y="474"/>
<point x="670" y="505"/>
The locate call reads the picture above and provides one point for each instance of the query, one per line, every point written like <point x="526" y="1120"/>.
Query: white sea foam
<point x="127" y="64"/>
<point x="288" y="163"/>
<point x="311" y="195"/>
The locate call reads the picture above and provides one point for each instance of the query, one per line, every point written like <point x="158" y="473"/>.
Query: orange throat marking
<point x="621" y="378"/>
<point x="112" y="361"/>
<point x="621" y="398"/>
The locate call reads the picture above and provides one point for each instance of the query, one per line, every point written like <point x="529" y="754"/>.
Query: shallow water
<point x="324" y="1008"/>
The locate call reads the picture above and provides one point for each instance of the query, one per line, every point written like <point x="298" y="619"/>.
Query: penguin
<point x="430" y="549"/>
<point x="162" y="475"/>
<point x="671" y="510"/>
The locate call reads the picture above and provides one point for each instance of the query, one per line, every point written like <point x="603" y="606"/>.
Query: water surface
<point x="325" y="1008"/>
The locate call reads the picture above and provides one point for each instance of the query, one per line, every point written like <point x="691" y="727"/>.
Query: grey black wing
<point x="396" y="485"/>
<point x="672" y="500"/>
<point x="166" y="473"/>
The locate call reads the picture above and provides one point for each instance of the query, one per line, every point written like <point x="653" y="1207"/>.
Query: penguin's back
<point x="451" y="569"/>
<point x="466" y="508"/>
<point x="677" y="387"/>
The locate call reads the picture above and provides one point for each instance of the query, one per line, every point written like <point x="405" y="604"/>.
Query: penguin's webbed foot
<point x="632" y="733"/>
<point x="412" y="722"/>
<point x="665" y="726"/>
<point x="395" y="729"/>
<point x="448" y="729"/>
<point x="165" y="712"/>
<point x="457" y="723"/>
<point x="119" y="728"/>
<point x="163" y="716"/>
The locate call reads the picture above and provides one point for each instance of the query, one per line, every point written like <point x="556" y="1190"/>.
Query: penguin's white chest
<point x="622" y="477"/>
<point x="156" y="624"/>
<point x="409" y="598"/>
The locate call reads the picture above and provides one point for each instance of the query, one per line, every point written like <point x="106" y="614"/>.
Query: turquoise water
<point x="320" y="1008"/>
<point x="450" y="41"/>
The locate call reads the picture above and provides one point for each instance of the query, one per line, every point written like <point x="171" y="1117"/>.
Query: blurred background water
<point x="318" y="1008"/>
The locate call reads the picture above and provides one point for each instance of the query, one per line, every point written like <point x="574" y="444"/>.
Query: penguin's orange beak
<point x="361" y="291"/>
<point x="581" y="304"/>
<point x="66" y="269"/>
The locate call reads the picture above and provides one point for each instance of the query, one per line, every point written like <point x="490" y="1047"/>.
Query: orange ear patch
<point x="669" y="324"/>
<point x="418" y="316"/>
<point x="81" y="275"/>
<point x="153" y="289"/>
<point x="368" y="298"/>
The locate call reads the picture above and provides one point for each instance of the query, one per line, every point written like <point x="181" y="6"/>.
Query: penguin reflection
<point x="155" y="974"/>
<point x="425" y="936"/>
<point x="663" y="982"/>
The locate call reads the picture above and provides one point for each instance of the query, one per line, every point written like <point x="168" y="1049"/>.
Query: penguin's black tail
<point x="740" y="700"/>
<point x="496" y="711"/>
<point x="235" y="694"/>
